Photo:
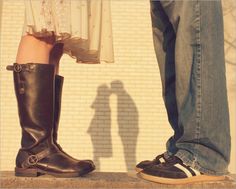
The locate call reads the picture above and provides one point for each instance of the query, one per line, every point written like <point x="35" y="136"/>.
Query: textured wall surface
<point x="229" y="7"/>
<point x="116" y="130"/>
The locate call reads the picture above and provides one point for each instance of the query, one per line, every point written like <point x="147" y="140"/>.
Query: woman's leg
<point x="37" y="94"/>
<point x="39" y="50"/>
<point x="36" y="50"/>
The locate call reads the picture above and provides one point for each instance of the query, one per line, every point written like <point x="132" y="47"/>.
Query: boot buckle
<point x="17" y="68"/>
<point x="32" y="160"/>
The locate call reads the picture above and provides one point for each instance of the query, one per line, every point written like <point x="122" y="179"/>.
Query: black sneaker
<point x="174" y="171"/>
<point x="146" y="163"/>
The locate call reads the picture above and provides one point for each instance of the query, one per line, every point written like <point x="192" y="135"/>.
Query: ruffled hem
<point x="76" y="47"/>
<point x="84" y="27"/>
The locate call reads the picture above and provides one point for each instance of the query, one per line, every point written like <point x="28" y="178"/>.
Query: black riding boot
<point x="34" y="88"/>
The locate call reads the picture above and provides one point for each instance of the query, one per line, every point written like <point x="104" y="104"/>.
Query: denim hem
<point x="191" y="161"/>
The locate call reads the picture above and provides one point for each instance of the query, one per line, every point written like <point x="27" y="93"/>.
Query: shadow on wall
<point x="100" y="126"/>
<point x="127" y="119"/>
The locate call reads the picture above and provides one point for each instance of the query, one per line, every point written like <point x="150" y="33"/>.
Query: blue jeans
<point x="189" y="43"/>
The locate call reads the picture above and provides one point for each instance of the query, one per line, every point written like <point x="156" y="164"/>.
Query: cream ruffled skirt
<point x="83" y="26"/>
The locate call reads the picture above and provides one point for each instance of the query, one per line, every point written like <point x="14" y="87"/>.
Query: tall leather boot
<point x="34" y="89"/>
<point x="57" y="110"/>
<point x="57" y="107"/>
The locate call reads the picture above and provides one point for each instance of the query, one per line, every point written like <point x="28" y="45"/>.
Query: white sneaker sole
<point x="138" y="169"/>
<point x="199" y="178"/>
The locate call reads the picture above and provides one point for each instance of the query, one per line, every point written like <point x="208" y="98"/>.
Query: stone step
<point x="103" y="180"/>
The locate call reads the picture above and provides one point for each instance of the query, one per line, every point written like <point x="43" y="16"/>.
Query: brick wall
<point x="120" y="140"/>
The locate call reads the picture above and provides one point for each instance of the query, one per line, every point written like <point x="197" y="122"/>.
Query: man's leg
<point x="200" y="86"/>
<point x="164" y="37"/>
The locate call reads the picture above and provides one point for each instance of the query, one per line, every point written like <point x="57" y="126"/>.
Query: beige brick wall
<point x="229" y="7"/>
<point x="131" y="123"/>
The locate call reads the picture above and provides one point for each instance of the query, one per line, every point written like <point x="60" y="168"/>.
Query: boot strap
<point x="33" y="159"/>
<point x="20" y="67"/>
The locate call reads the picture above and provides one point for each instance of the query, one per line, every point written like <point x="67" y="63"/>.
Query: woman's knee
<point x="39" y="42"/>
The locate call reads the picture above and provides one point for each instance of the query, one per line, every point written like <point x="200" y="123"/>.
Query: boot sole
<point x="32" y="172"/>
<point x="200" y="178"/>
<point x="138" y="169"/>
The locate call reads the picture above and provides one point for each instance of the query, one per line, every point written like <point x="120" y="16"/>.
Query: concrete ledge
<point x="103" y="180"/>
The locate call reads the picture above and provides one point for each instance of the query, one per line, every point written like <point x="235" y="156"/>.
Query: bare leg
<point x="35" y="50"/>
